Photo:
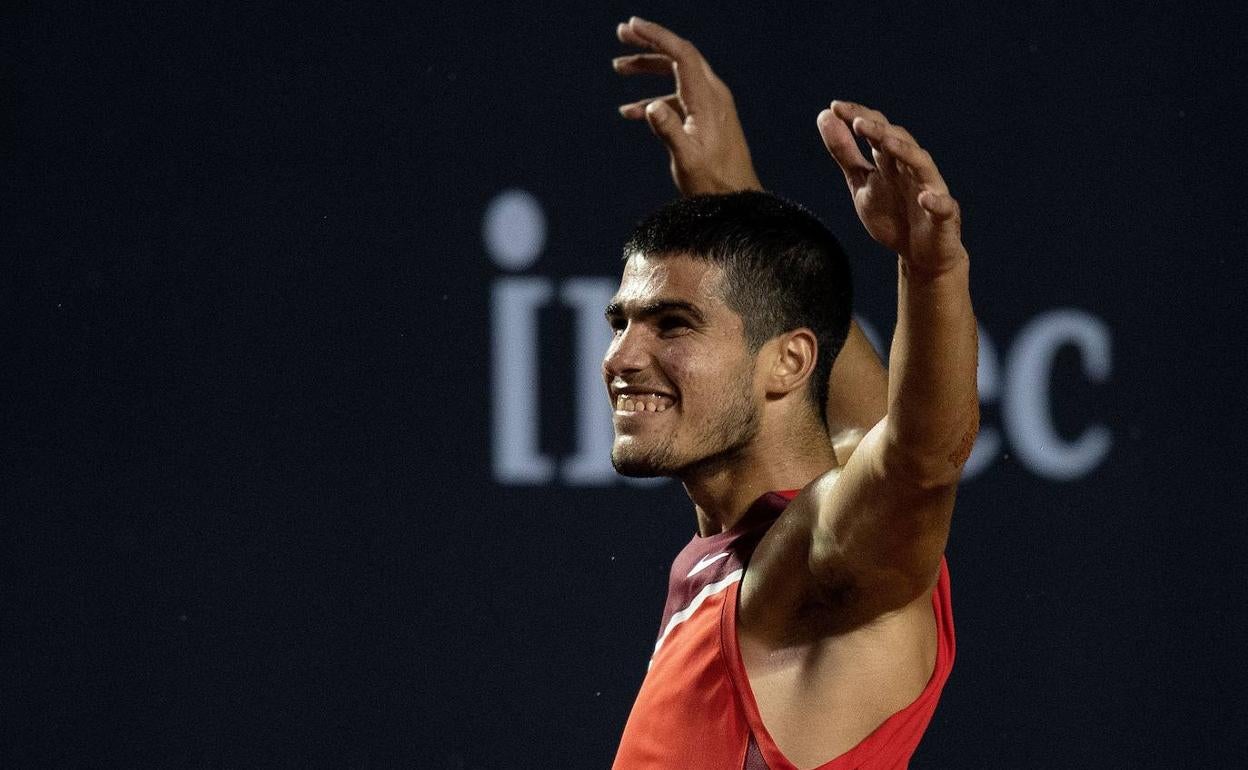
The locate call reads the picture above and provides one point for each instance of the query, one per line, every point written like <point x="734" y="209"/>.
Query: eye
<point x="673" y="325"/>
<point x="617" y="324"/>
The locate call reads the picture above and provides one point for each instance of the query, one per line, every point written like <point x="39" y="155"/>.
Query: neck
<point x="722" y="491"/>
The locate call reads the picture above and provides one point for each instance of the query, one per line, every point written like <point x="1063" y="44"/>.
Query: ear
<point x="792" y="361"/>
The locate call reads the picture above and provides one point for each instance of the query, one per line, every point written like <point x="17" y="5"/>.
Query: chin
<point x="636" y="468"/>
<point x="639" y="464"/>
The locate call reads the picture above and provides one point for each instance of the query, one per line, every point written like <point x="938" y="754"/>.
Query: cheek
<point x="683" y="363"/>
<point x="698" y="372"/>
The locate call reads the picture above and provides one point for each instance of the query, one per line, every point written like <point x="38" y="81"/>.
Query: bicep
<point x="876" y="535"/>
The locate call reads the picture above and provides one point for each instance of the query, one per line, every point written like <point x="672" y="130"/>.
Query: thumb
<point x="944" y="210"/>
<point x="668" y="127"/>
<point x="946" y="217"/>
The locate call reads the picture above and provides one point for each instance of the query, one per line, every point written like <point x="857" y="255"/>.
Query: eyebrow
<point x="657" y="307"/>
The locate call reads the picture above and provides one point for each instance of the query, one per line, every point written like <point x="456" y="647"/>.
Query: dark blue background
<point x="247" y="511"/>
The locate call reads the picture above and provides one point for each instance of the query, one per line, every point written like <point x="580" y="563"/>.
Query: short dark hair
<point x="782" y="268"/>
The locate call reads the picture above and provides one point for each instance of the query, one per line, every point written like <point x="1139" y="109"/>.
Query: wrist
<point x="737" y="183"/>
<point x="931" y="267"/>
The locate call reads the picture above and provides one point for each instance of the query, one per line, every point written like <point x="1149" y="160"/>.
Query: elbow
<point x="931" y="466"/>
<point x="925" y="476"/>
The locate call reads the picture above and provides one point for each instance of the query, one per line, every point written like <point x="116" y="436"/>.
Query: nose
<point x="627" y="353"/>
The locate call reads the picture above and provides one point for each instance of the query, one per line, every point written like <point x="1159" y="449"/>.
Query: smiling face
<point x="679" y="373"/>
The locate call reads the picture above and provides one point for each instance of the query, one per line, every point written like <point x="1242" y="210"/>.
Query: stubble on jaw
<point x="733" y="428"/>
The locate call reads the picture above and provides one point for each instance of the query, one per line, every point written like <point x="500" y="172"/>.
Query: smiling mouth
<point x="637" y="403"/>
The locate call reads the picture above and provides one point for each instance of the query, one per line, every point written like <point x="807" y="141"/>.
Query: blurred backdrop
<point x="303" y="446"/>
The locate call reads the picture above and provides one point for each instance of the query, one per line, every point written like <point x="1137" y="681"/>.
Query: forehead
<point x="647" y="279"/>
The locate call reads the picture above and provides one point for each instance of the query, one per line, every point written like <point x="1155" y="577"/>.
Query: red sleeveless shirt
<point x="696" y="711"/>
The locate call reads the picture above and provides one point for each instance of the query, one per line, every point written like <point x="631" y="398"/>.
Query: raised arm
<point x="880" y="529"/>
<point x="708" y="153"/>
<point x="698" y="122"/>
<point x="857" y="393"/>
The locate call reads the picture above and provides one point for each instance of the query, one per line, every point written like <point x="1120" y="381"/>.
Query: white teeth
<point x="648" y="402"/>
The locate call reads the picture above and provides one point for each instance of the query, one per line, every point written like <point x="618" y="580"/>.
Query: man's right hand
<point x="698" y="123"/>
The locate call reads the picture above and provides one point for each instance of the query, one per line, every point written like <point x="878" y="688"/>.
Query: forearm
<point x="933" y="404"/>
<point x="857" y="393"/>
<point x="737" y="177"/>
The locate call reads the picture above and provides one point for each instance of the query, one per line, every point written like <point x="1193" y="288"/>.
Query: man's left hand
<point x="900" y="198"/>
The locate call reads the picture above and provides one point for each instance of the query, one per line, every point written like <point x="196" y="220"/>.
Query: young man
<point x="808" y="622"/>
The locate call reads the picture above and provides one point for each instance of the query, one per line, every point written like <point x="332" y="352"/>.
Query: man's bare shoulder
<point x="777" y="582"/>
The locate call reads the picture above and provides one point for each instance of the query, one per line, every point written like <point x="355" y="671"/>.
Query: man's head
<point x="714" y="286"/>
